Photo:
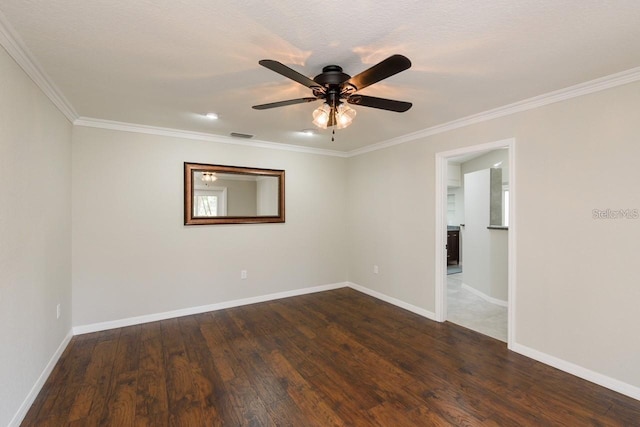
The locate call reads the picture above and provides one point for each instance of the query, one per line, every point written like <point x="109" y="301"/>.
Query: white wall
<point x="576" y="280"/>
<point x="488" y="160"/>
<point x="133" y="256"/>
<point x="485" y="251"/>
<point x="476" y="250"/>
<point x="35" y="234"/>
<point x="499" y="264"/>
<point x="391" y="222"/>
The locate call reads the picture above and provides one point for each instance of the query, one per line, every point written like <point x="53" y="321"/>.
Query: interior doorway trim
<point x="441" y="234"/>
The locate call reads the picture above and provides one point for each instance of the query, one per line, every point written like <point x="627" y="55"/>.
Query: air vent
<point x="241" y="135"/>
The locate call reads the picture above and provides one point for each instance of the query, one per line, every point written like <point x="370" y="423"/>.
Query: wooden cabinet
<point x="453" y="247"/>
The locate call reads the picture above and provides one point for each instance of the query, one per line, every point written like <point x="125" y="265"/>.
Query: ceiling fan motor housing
<point x="332" y="75"/>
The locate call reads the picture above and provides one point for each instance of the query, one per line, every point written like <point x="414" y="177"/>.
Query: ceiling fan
<point x="334" y="87"/>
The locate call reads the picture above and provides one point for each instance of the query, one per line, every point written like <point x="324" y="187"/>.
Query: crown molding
<point x="200" y="136"/>
<point x="16" y="48"/>
<point x="596" y="85"/>
<point x="602" y="83"/>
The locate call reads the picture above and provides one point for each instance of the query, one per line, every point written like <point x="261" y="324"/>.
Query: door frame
<point x="441" y="233"/>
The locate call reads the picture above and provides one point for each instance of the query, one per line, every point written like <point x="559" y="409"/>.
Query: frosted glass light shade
<point x="344" y="116"/>
<point x="321" y="116"/>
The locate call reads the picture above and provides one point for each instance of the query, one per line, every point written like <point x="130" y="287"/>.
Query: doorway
<point x="443" y="233"/>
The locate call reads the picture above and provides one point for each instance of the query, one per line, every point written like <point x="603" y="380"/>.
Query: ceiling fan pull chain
<point x="333" y="134"/>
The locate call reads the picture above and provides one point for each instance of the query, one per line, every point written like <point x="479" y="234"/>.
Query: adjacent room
<point x="241" y="213"/>
<point x="477" y="237"/>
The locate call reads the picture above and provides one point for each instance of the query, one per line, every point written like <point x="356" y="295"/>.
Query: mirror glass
<point x="216" y="194"/>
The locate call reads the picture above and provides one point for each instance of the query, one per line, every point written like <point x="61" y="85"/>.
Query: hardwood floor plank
<point x="278" y="333"/>
<point x="249" y="353"/>
<point x="184" y="408"/>
<point x="121" y="401"/>
<point x="51" y="389"/>
<point x="247" y="381"/>
<point x="56" y="397"/>
<point x="152" y="407"/>
<point x="374" y="359"/>
<point x="312" y="403"/>
<point x="206" y="381"/>
<point x="120" y="409"/>
<point x="99" y="376"/>
<point x="270" y="331"/>
<point x="318" y="357"/>
<point x="331" y="358"/>
<point x="439" y="379"/>
<point x="345" y="400"/>
<point x="236" y="399"/>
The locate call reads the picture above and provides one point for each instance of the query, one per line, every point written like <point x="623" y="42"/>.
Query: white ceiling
<point x="167" y="62"/>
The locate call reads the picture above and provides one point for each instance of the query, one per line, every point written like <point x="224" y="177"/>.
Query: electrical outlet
<point x="243" y="274"/>
<point x="375" y="269"/>
<point x="58" y="311"/>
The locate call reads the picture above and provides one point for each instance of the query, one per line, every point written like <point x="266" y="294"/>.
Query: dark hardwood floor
<point x="324" y="359"/>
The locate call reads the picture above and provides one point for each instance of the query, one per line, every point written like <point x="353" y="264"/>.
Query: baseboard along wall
<point x="120" y="323"/>
<point x="578" y="371"/>
<point x="484" y="296"/>
<point x="33" y="393"/>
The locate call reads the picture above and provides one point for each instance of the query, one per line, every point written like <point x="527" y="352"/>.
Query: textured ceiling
<point x="167" y="62"/>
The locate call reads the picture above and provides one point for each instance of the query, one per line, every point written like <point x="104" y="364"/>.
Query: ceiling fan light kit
<point x="327" y="116"/>
<point x="335" y="87"/>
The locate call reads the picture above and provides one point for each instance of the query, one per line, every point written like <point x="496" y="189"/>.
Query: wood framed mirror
<point x="216" y="194"/>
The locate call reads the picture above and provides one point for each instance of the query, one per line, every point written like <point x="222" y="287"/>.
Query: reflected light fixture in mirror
<point x="208" y="177"/>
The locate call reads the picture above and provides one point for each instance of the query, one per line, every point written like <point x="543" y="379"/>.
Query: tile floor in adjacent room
<point x="469" y="310"/>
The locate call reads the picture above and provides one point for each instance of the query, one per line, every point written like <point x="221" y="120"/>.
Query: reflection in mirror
<point x="232" y="195"/>
<point x="251" y="195"/>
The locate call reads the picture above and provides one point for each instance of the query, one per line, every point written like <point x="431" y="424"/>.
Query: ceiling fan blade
<point x="387" y="68"/>
<point x="380" y="103"/>
<point x="283" y="103"/>
<point x="288" y="72"/>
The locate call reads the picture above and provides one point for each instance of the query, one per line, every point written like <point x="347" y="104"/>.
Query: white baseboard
<point x="595" y="377"/>
<point x="120" y="323"/>
<point x="484" y="296"/>
<point x="578" y="371"/>
<point x="391" y="300"/>
<point x="33" y="393"/>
